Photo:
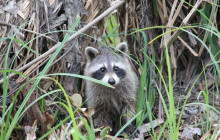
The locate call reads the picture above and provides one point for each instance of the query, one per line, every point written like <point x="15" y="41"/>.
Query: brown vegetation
<point x="38" y="28"/>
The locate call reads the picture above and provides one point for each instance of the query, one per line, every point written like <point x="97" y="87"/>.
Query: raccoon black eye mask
<point x="99" y="74"/>
<point x="120" y="73"/>
<point x="111" y="104"/>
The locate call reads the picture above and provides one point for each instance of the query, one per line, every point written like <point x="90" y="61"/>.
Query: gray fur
<point x="91" y="53"/>
<point x="111" y="104"/>
<point x="122" y="47"/>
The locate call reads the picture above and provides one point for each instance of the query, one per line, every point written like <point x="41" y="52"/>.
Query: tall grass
<point x="144" y="103"/>
<point x="171" y="122"/>
<point x="7" y="126"/>
<point x="146" y="93"/>
<point x="5" y="88"/>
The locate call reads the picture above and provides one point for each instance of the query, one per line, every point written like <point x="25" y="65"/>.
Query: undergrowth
<point x="151" y="74"/>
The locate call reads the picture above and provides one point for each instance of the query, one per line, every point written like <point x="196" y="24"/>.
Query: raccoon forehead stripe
<point x="120" y="65"/>
<point x="96" y="67"/>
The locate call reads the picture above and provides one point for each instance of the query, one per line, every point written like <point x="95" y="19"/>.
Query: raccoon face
<point x="110" y="73"/>
<point x="105" y="65"/>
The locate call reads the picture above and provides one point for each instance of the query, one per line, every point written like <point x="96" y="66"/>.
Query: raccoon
<point x="113" y="106"/>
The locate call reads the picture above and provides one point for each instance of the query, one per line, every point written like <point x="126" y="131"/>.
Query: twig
<point x="184" y="22"/>
<point x="26" y="30"/>
<point x="109" y="10"/>
<point x="19" y="86"/>
<point x="188" y="47"/>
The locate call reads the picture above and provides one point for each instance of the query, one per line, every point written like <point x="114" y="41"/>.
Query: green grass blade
<point x="15" y="119"/>
<point x="5" y="82"/>
<point x="129" y="122"/>
<point x="91" y="135"/>
<point x="57" y="126"/>
<point x="83" y="77"/>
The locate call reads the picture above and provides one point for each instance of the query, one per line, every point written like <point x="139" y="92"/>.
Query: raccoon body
<point x="112" y="106"/>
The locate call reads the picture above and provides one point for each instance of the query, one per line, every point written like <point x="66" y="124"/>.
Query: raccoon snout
<point x="111" y="81"/>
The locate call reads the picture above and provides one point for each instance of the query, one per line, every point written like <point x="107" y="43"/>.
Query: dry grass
<point x="38" y="28"/>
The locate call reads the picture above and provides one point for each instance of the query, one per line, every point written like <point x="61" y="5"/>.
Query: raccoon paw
<point x="130" y="130"/>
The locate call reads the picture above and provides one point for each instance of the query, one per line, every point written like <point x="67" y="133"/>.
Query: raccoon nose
<point x="111" y="81"/>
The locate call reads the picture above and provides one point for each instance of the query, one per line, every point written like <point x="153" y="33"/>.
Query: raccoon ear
<point x="91" y="53"/>
<point x="122" y="47"/>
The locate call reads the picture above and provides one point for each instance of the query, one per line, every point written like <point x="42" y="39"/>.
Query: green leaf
<point x="104" y="131"/>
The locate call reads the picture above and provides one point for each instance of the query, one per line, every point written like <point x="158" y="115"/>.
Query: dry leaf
<point x="202" y="85"/>
<point x="48" y="118"/>
<point x="213" y="116"/>
<point x="25" y="8"/>
<point x="52" y="136"/>
<point x="188" y="132"/>
<point x="64" y="135"/>
<point x="11" y="7"/>
<point x="76" y="100"/>
<point x="147" y="127"/>
<point x="193" y="110"/>
<point x="80" y="125"/>
<point x="60" y="134"/>
<point x="87" y="111"/>
<point x="31" y="131"/>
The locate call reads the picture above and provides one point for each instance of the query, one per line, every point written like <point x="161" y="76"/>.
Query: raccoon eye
<point x="115" y="68"/>
<point x="102" y="69"/>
